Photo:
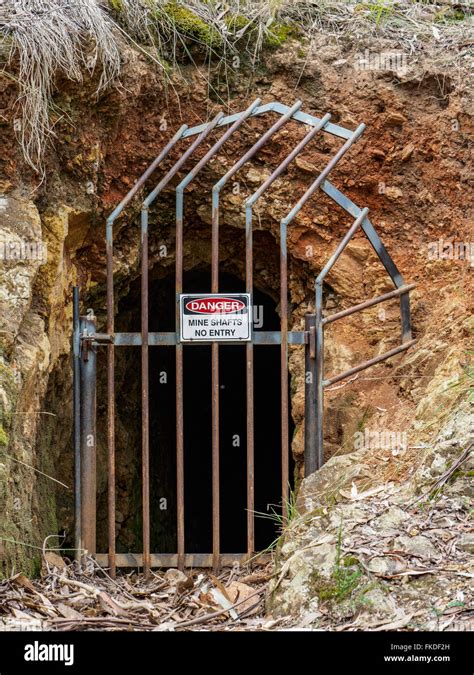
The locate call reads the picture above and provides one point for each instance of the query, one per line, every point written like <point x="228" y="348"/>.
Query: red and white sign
<point x="215" y="305"/>
<point x="215" y="317"/>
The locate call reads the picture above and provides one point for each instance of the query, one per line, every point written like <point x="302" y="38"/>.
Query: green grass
<point x="344" y="578"/>
<point x="378" y="10"/>
<point x="275" y="514"/>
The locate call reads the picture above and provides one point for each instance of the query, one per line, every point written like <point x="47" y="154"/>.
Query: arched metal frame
<point x="86" y="338"/>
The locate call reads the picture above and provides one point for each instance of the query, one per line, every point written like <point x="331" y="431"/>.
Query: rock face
<point x="409" y="168"/>
<point x="24" y="365"/>
<point x="386" y="553"/>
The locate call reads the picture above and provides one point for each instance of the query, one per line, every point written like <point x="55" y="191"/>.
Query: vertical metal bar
<point x="145" y="396"/>
<point x="110" y="402"/>
<point x="284" y="313"/>
<point x="179" y="347"/>
<point x="319" y="391"/>
<point x="76" y="347"/>
<point x="145" y="376"/>
<point x="284" y="371"/>
<point x="215" y="224"/>
<point x="310" y="425"/>
<point x="250" y="391"/>
<point x="110" y="347"/>
<point x="179" y="393"/>
<point x="215" y="393"/>
<point x="88" y="437"/>
<point x="250" y="363"/>
<point x="405" y="317"/>
<point x="214" y="349"/>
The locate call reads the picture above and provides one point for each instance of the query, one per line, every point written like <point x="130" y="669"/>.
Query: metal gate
<point x="86" y="340"/>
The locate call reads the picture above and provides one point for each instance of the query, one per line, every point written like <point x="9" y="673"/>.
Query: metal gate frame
<point x="86" y="340"/>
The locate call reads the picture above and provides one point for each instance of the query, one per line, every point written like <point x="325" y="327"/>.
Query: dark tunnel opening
<point x="197" y="429"/>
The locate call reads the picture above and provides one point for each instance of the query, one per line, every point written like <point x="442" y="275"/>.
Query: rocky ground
<point x="368" y="555"/>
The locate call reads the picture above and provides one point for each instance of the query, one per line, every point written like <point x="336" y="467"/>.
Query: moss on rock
<point x="279" y="33"/>
<point x="191" y="25"/>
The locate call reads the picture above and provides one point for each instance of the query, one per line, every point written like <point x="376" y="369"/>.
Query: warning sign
<point x="215" y="317"/>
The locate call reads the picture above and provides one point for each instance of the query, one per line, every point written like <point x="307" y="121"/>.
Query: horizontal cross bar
<point x="170" y="339"/>
<point x="313" y="121"/>
<point x="370" y="362"/>
<point x="368" y="303"/>
<point x="171" y="559"/>
<point x="281" y="109"/>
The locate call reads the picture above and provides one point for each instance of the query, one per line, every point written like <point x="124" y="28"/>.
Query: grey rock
<point x="391" y="520"/>
<point x="466" y="543"/>
<point x="418" y="545"/>
<point x="385" y="565"/>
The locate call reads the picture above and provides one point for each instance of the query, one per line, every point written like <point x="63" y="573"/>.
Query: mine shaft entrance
<point x="197" y="428"/>
<point x="226" y="370"/>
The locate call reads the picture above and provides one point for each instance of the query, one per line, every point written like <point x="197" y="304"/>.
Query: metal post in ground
<point x="76" y="349"/>
<point x="310" y="427"/>
<point x="88" y="434"/>
<point x="319" y="371"/>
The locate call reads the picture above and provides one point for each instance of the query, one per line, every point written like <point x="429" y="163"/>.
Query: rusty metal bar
<point x="319" y="332"/>
<point x="145" y="397"/>
<point x="368" y="303"/>
<point x="370" y="362"/>
<point x="262" y="337"/>
<point x="110" y="403"/>
<point x="336" y="195"/>
<point x="111" y="349"/>
<point x="179" y="355"/>
<point x="208" y="128"/>
<point x="318" y="451"/>
<point x="310" y="458"/>
<point x="324" y="173"/>
<point x="146" y="175"/>
<point x="88" y="437"/>
<point x="191" y="560"/>
<point x="216" y="190"/>
<point x="145" y="341"/>
<point x="284" y="380"/>
<point x="285" y="465"/>
<point x="216" y="538"/>
<point x="285" y="163"/>
<point x="250" y="391"/>
<point x="350" y="207"/>
<point x="341" y="246"/>
<point x="319" y="371"/>
<point x="76" y="350"/>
